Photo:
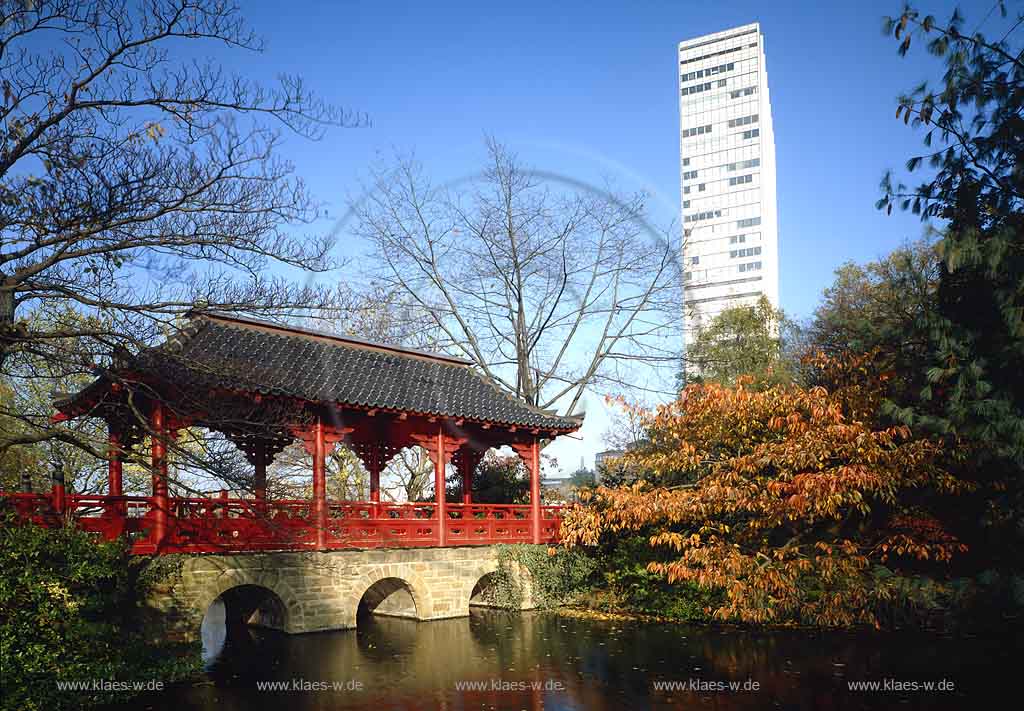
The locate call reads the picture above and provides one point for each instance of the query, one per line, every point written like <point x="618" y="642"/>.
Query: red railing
<point x="223" y="525"/>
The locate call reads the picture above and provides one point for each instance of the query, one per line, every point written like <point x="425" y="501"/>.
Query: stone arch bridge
<point x="298" y="592"/>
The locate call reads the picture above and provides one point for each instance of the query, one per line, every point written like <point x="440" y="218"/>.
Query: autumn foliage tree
<point x="800" y="510"/>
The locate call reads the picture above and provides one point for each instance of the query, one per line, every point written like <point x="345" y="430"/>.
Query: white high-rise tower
<point x="727" y="151"/>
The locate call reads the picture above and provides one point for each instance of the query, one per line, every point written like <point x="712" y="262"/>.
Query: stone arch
<point x="254" y="604"/>
<point x="235" y="610"/>
<point x="223" y="582"/>
<point x="475" y="576"/>
<point x="394" y="590"/>
<point x="482" y="593"/>
<point x="477" y="581"/>
<point x="391" y="597"/>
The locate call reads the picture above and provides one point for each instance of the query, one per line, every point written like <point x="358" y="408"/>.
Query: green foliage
<point x="15" y="460"/>
<point x="631" y="586"/>
<point x="617" y="473"/>
<point x="26" y="405"/>
<point x="884" y="308"/>
<point x="556" y="575"/>
<point x="582" y="477"/>
<point x="66" y="601"/>
<point x="742" y="340"/>
<point x="973" y="126"/>
<point x="498" y="479"/>
<point x="158" y="571"/>
<point x="880" y="306"/>
<point x="987" y="600"/>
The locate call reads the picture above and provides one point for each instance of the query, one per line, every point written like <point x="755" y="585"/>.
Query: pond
<point x="499" y="660"/>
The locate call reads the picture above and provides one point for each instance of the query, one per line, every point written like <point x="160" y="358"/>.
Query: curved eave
<point x="82" y="402"/>
<point x="87" y="400"/>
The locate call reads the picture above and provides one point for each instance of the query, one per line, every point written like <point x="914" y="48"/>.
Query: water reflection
<point x="497" y="660"/>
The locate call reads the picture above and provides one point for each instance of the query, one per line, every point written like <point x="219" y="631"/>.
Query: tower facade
<point x="727" y="156"/>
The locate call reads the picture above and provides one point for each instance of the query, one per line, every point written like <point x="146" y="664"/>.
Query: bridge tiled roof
<point x="241" y="354"/>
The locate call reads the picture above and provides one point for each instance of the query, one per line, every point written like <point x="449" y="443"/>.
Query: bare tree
<point x="549" y="286"/>
<point x="137" y="184"/>
<point x="409" y="476"/>
<point x="627" y="427"/>
<point x="290" y="476"/>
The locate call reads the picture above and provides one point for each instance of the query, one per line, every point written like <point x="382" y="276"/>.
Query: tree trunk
<point x="9" y="333"/>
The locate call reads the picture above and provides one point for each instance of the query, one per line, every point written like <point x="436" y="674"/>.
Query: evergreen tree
<point x="973" y="125"/>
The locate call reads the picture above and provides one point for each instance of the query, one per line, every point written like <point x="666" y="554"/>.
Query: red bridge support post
<point x="320" y="485"/>
<point x="374" y="462"/>
<point x="529" y="452"/>
<point x="118" y="512"/>
<point x="467" y="463"/>
<point x="161" y="500"/>
<point x="440" y="495"/>
<point x="58" y="494"/>
<point x="259" y="477"/>
<point x="535" y="490"/>
<point x="115" y="471"/>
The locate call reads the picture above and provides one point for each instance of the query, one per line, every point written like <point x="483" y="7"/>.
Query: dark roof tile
<point x="249" y="355"/>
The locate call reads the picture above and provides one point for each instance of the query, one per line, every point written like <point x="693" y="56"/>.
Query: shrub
<point x="66" y="601"/>
<point x="796" y="493"/>
<point x="556" y="574"/>
<point x="632" y="586"/>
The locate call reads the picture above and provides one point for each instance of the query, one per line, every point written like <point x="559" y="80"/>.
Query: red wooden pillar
<point x="58" y="494"/>
<point x="440" y="495"/>
<point x="529" y="452"/>
<point x="115" y="468"/>
<point x="320" y="485"/>
<point x="160" y="500"/>
<point x="375" y="490"/>
<point x="259" y="476"/>
<point x="534" y="467"/>
<point x="373" y="461"/>
<point x="118" y="511"/>
<point x="467" y="463"/>
<point x="375" y="485"/>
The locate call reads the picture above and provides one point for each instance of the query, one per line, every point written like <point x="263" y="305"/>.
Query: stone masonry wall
<point x="322" y="591"/>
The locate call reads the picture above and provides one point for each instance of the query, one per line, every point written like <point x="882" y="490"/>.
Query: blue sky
<point x="589" y="90"/>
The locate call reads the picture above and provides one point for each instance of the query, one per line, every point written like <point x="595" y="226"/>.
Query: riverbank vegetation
<point x="68" y="616"/>
<point x="784" y="504"/>
<point x="556" y="576"/>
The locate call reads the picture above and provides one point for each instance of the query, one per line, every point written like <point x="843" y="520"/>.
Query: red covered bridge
<point x="264" y="386"/>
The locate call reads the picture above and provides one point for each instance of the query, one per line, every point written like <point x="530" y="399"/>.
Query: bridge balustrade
<point x="223" y="525"/>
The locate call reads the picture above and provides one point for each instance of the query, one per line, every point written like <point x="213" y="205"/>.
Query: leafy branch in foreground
<point x="973" y="125"/>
